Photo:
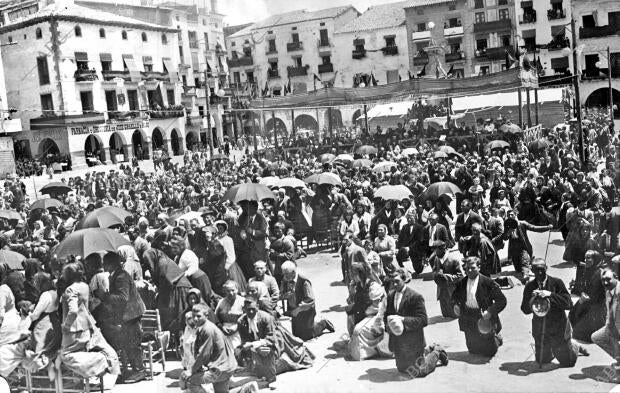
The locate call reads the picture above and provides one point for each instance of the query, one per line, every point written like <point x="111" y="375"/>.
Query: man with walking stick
<point x="547" y="298"/>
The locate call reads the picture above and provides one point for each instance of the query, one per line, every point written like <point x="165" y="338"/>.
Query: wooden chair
<point x="70" y="382"/>
<point x="154" y="341"/>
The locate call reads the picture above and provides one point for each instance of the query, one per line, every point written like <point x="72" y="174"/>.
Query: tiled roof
<point x="294" y="17"/>
<point x="81" y="14"/>
<point x="422" y="3"/>
<point x="230" y="30"/>
<point x="377" y="17"/>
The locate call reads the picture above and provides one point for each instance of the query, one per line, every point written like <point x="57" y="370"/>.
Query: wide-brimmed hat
<point x="221" y="222"/>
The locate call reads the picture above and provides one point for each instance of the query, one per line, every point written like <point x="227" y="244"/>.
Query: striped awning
<point x="81" y="56"/>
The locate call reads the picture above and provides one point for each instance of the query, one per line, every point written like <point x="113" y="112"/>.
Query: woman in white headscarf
<point x="232" y="267"/>
<point x="131" y="263"/>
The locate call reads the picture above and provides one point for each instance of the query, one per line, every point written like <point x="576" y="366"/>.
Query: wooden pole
<point x="528" y="101"/>
<point x="329" y="124"/>
<point x="611" y="93"/>
<point x="580" y="135"/>
<point x="275" y="130"/>
<point x="293" y="132"/>
<point x="366" y="118"/>
<point x="536" y="103"/>
<point x="519" y="96"/>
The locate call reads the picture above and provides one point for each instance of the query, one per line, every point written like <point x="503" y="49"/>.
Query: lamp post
<point x="208" y="114"/>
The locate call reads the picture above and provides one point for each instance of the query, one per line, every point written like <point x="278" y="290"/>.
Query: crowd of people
<point x="222" y="272"/>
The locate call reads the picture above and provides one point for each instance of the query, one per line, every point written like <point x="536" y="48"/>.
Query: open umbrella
<point x="10" y="215"/>
<point x="512" y="128"/>
<point x="219" y="157"/>
<point x="269" y="181"/>
<point x="291" y="182"/>
<point x="436" y="190"/>
<point x="497" y="144"/>
<point x="324" y="178"/>
<point x="12" y="259"/>
<point x="410" y="151"/>
<point x="248" y="192"/>
<point x="327" y="157"/>
<point x="446" y="149"/>
<point x="394" y="193"/>
<point x="104" y="217"/>
<point x="55" y="188"/>
<point x="539" y="144"/>
<point x="366" y="149"/>
<point x="440" y="154"/>
<point x="88" y="241"/>
<point x="46" y="203"/>
<point x="344" y="157"/>
<point x="384" y="166"/>
<point x="362" y="163"/>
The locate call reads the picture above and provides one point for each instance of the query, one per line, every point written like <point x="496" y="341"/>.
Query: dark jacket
<point x="441" y="233"/>
<point x="265" y="325"/>
<point x="123" y="302"/>
<point x="415" y="319"/>
<point x="489" y="297"/>
<point x="555" y="321"/>
<point x="463" y="228"/>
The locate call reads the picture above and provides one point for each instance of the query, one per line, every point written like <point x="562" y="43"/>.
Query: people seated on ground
<point x="188" y="338"/>
<point x="299" y="297"/>
<point x="260" y="270"/>
<point x="365" y="325"/>
<point x="228" y="311"/>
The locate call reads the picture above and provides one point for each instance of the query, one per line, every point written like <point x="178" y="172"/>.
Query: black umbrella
<point x="55" y="188"/>
<point x="46" y="203"/>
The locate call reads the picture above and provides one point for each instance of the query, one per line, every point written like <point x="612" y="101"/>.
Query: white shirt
<point x="397" y="298"/>
<point x="48" y="303"/>
<point x="472" y="286"/>
<point x="465" y="217"/>
<point x="432" y="230"/>
<point x="188" y="262"/>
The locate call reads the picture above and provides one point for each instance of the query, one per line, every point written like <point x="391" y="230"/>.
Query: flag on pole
<point x="422" y="72"/>
<point x="450" y="71"/>
<point x="330" y="82"/>
<point x="410" y="76"/>
<point x="289" y="90"/>
<point x="209" y="70"/>
<point x="265" y="90"/>
<point x="440" y="72"/>
<point x="510" y="60"/>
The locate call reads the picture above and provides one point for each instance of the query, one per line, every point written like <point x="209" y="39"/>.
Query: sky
<point x="246" y="11"/>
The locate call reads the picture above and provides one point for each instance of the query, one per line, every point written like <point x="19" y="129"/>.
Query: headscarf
<point x="128" y="253"/>
<point x="262" y="293"/>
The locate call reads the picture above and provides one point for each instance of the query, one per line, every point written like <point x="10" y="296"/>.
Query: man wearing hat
<point x="405" y="319"/>
<point x="547" y="298"/>
<point x="447" y="270"/>
<point x="478" y="300"/>
<point x="252" y="233"/>
<point x="410" y="243"/>
<point x="608" y="337"/>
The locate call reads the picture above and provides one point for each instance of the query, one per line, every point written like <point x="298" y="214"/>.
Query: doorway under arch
<point x="94" y="150"/>
<point x="356" y="117"/>
<point x="306" y="122"/>
<point x="600" y="99"/>
<point x="336" y="118"/>
<point x="280" y="128"/>
<point x="140" y="150"/>
<point x="192" y="140"/>
<point x="157" y="139"/>
<point x="117" y="146"/>
<point x="48" y="146"/>
<point x="175" y="142"/>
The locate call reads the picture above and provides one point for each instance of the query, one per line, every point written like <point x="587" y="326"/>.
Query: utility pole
<point x="366" y="119"/>
<point x="611" y="92"/>
<point x="275" y="130"/>
<point x="528" y="101"/>
<point x="208" y="113"/>
<point x="580" y="136"/>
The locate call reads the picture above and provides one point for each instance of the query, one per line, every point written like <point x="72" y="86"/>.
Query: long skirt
<point x="86" y="353"/>
<point x="171" y="310"/>
<point x="294" y="355"/>
<point x="369" y="339"/>
<point x="236" y="274"/>
<point x="11" y="356"/>
<point x="586" y="318"/>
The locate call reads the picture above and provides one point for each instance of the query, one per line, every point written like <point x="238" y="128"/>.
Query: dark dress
<point x="589" y="316"/>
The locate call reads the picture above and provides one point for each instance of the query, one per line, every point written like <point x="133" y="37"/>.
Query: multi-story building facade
<point x="597" y="27"/>
<point x="201" y="53"/>
<point x="288" y="50"/>
<point x="91" y="84"/>
<point x="542" y="30"/>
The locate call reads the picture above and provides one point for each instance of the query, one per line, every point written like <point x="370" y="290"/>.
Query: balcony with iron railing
<point x="598" y="31"/>
<point x="273" y="74"/>
<point x="554" y="14"/>
<point x="120" y="116"/>
<point x="168" y="112"/>
<point x="85" y="75"/>
<point x="420" y="58"/>
<point x="112" y="74"/>
<point x="297" y="71"/>
<point x="499" y="53"/>
<point x="294" y="46"/>
<point x="155" y="75"/>
<point x="528" y="17"/>
<point x="391" y="50"/>
<point x="325" y="68"/>
<point x="358" y="54"/>
<point x="244" y="61"/>
<point x="454" y="56"/>
<point x="193" y="44"/>
<point x="493" y="26"/>
<point x="271" y="52"/>
<point x="558" y="43"/>
<point x="324" y="44"/>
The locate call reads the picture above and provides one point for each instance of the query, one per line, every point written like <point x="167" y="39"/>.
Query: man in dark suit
<point x="608" y="337"/>
<point x="478" y="297"/>
<point x="409" y="243"/>
<point x="123" y="309"/>
<point x="297" y="291"/>
<point x="447" y="270"/>
<point x="434" y="232"/>
<point x="384" y="216"/>
<point x="465" y="220"/>
<point x="258" y="343"/>
<point x="405" y="318"/>
<point x="552" y="332"/>
<point x="250" y="246"/>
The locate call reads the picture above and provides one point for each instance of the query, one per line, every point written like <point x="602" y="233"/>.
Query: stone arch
<point x="280" y="127"/>
<point x="157" y="139"/>
<point x="176" y="142"/>
<point x="600" y="98"/>
<point x="94" y="149"/>
<point x="48" y="146"/>
<point x="117" y="146"/>
<point x="306" y="122"/>
<point x="192" y="140"/>
<point x="336" y="118"/>
<point x="356" y="115"/>
<point x="138" y="141"/>
<point x="251" y="123"/>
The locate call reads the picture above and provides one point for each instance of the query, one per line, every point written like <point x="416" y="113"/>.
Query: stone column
<point x="128" y="150"/>
<point x="106" y="152"/>
<point x="168" y="146"/>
